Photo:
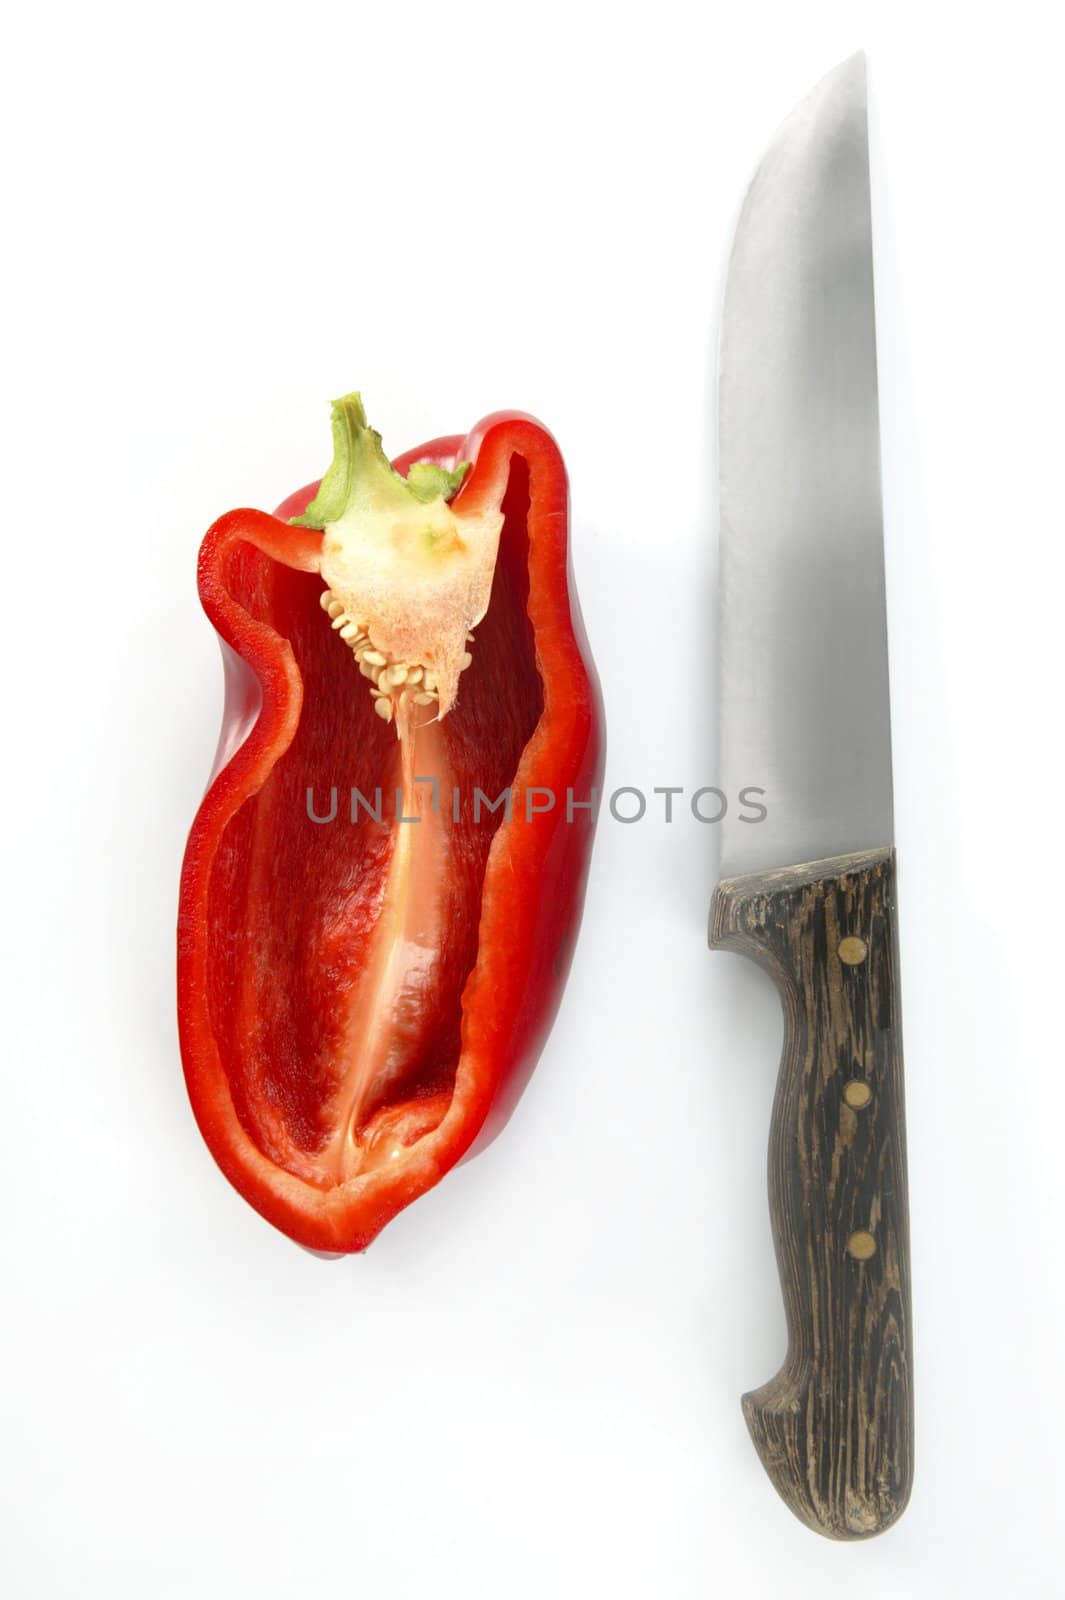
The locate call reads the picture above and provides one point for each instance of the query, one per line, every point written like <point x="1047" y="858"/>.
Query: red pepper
<point x="361" y="1002"/>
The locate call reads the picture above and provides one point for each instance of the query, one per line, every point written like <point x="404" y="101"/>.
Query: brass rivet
<point x="861" y="1245"/>
<point x="853" y="951"/>
<point x="857" y="1094"/>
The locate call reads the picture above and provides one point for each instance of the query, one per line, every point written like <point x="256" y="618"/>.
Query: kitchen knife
<point x="809" y="892"/>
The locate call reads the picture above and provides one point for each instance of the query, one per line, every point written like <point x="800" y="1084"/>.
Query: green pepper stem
<point x="360" y="476"/>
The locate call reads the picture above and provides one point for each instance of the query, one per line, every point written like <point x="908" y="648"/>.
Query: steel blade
<point x="804" y="671"/>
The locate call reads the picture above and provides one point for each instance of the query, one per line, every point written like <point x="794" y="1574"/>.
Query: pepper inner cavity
<point x="301" y="913"/>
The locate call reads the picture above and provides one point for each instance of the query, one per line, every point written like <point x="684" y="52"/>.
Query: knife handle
<point x="834" y="1428"/>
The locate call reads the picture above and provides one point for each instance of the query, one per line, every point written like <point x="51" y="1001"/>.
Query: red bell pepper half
<point x="361" y="996"/>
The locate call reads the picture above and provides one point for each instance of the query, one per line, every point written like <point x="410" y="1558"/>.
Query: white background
<point x="218" y="218"/>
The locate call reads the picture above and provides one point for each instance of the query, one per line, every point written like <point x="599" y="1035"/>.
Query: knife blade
<point x="809" y="892"/>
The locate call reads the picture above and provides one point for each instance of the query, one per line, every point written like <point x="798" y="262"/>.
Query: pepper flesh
<point x="361" y="1003"/>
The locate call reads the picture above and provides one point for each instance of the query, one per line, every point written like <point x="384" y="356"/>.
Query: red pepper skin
<point x="531" y="894"/>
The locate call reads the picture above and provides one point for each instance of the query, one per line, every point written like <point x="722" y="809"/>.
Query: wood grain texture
<point x="834" y="1428"/>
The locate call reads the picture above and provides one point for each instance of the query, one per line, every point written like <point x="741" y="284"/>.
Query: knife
<point x="809" y="891"/>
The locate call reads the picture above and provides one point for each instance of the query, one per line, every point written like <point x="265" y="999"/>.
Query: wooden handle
<point x="834" y="1428"/>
